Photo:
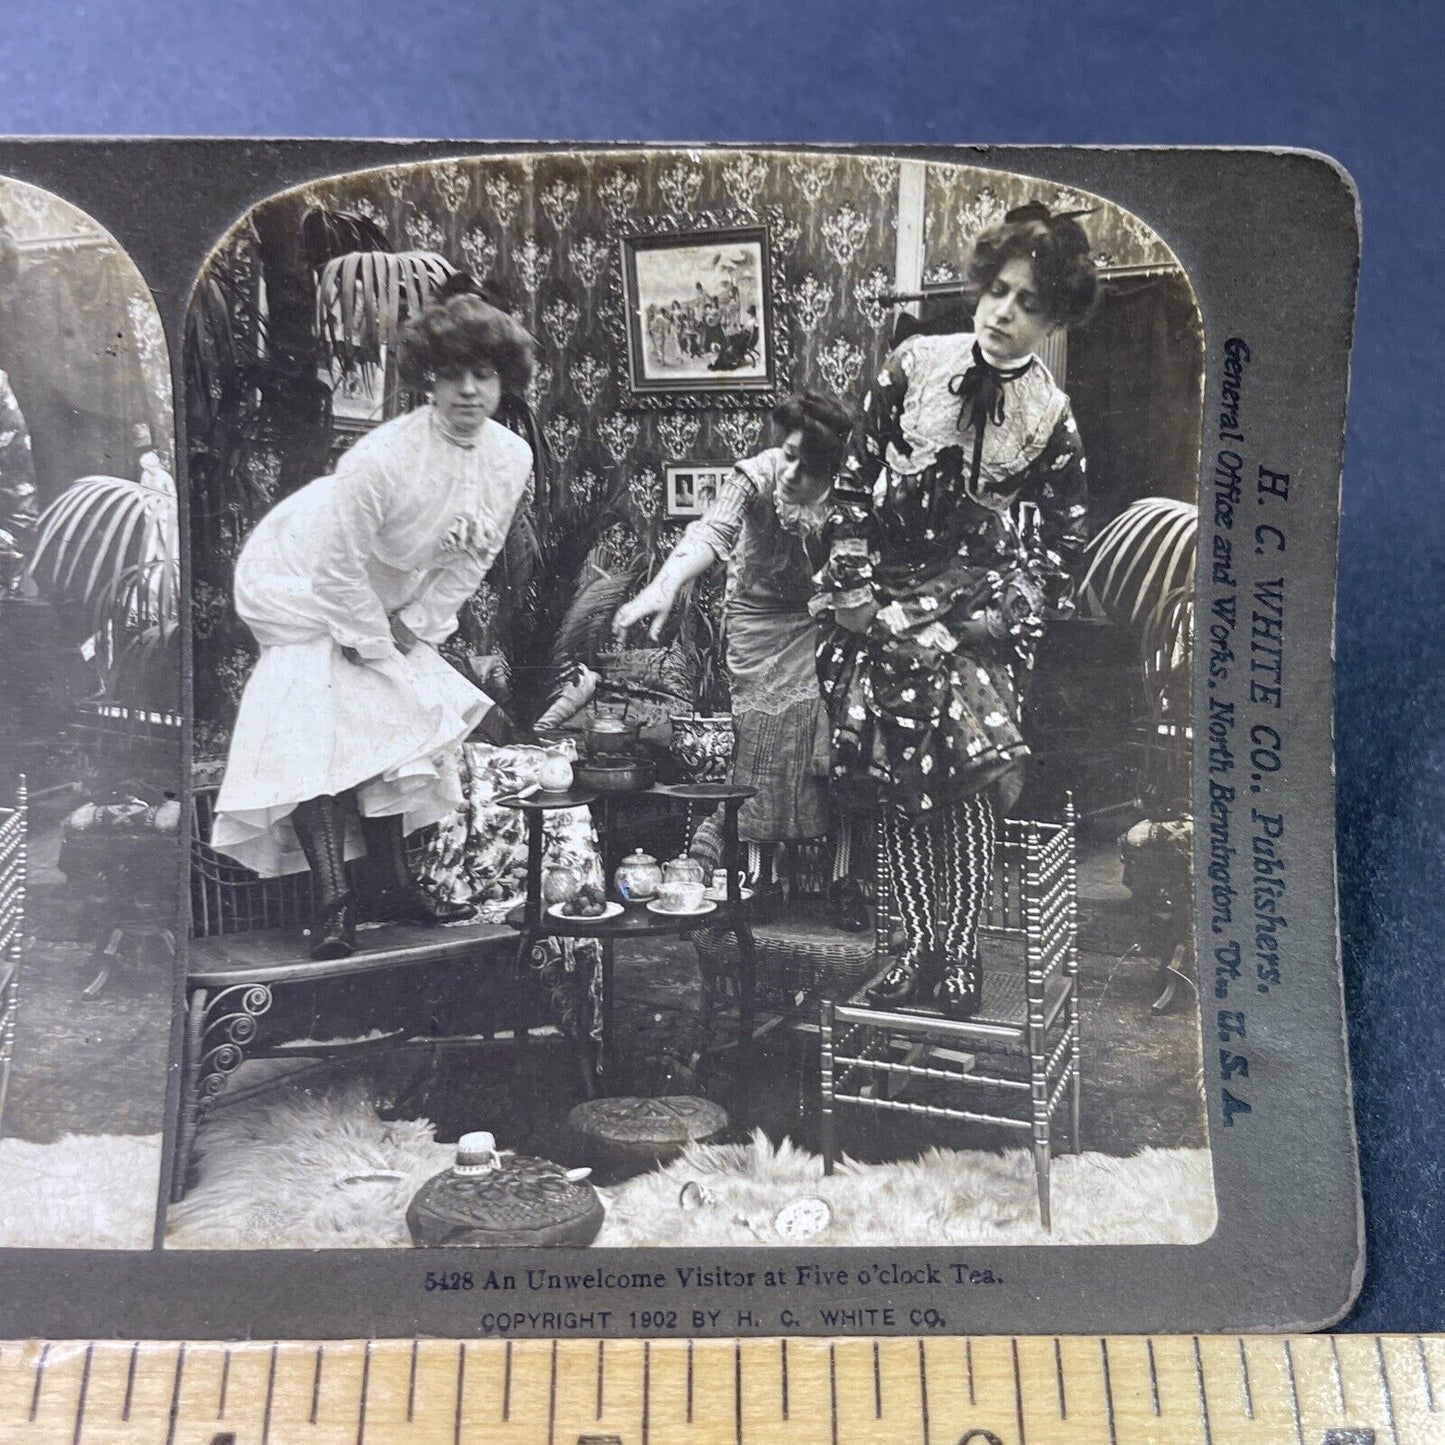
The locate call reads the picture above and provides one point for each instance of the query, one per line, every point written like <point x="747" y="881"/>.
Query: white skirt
<point x="312" y="723"/>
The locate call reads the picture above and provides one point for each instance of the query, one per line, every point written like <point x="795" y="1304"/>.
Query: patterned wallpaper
<point x="547" y="228"/>
<point x="961" y="201"/>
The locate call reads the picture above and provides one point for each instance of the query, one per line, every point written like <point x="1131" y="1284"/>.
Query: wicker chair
<point x="1020" y="1051"/>
<point x="246" y="942"/>
<point x="12" y="919"/>
<point x="803" y="957"/>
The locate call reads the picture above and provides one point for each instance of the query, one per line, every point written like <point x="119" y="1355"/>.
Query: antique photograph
<point x="698" y="311"/>
<point x="692" y="489"/>
<point x="90" y="732"/>
<point x="751" y="817"/>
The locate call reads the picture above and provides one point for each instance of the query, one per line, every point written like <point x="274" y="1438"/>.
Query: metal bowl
<point x="611" y="736"/>
<point x="614" y="774"/>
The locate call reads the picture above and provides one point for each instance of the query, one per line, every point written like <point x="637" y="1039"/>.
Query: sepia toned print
<point x="814" y="873"/>
<point x="90" y="732"/>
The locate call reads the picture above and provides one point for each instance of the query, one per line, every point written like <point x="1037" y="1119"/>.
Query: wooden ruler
<point x="989" y="1390"/>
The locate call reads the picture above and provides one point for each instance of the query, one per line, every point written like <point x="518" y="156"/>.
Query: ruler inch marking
<point x="175" y="1410"/>
<point x="225" y="1382"/>
<point x="1203" y="1397"/>
<point x="1244" y="1380"/>
<point x="1385" y="1385"/>
<point x="506" y="1385"/>
<point x="411" y="1384"/>
<point x="784" y="1355"/>
<point x="1299" y="1428"/>
<point x="1018" y="1391"/>
<point x="1425" y="1373"/>
<point x="1153" y="1378"/>
<point x="130" y="1382"/>
<point x="1059" y="1372"/>
<point x="84" y="1390"/>
<point x="738" y="1390"/>
<point x="1339" y="1376"/>
<point x="270" y="1396"/>
<point x="832" y="1390"/>
<point x="923" y="1390"/>
<point x="552" y="1395"/>
<point x="365" y="1382"/>
<point x="646" y="1390"/>
<point x="601" y="1347"/>
<point x="689" y="1382"/>
<point x="968" y="1361"/>
<point x="1108" y="1390"/>
<point x="877" y="1384"/>
<point x="316" y="1385"/>
<point x="461" y="1386"/>
<point x="39" y="1381"/>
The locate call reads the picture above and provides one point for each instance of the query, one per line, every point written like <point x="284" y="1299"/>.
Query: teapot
<point x="683" y="870"/>
<point x="638" y="877"/>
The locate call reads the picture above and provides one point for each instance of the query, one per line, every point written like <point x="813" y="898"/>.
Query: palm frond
<point x="364" y="298"/>
<point x="108" y="525"/>
<point x="1140" y="558"/>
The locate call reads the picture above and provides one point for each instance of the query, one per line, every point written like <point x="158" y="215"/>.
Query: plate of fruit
<point x="589" y="902"/>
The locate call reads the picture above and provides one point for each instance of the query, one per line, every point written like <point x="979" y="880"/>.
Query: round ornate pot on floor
<point x="490" y="1198"/>
<point x="623" y="1137"/>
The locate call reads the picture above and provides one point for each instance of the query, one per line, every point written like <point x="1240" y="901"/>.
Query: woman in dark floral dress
<point x="955" y="529"/>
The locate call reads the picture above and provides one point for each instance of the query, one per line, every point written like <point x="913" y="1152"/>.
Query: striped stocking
<point x="915" y="862"/>
<point x="968" y="845"/>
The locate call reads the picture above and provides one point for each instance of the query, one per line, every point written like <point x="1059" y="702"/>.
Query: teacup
<point x="676" y="897"/>
<point x="719" y="886"/>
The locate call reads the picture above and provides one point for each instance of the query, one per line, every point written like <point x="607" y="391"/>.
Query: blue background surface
<point x="1360" y="82"/>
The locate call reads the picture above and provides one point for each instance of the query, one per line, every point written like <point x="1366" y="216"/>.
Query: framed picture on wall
<point x="692" y="487"/>
<point x="700" y="313"/>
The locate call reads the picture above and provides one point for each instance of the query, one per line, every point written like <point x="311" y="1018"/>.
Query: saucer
<point x="707" y="906"/>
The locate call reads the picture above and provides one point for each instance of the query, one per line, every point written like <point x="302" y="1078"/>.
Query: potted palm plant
<point x="1141" y="576"/>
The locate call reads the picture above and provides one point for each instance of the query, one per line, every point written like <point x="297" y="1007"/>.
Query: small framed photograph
<point x="699" y="312"/>
<point x="692" y="487"/>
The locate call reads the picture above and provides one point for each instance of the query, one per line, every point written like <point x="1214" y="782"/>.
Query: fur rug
<point x="84" y="1191"/>
<point x="945" y="1196"/>
<point x="297" y="1170"/>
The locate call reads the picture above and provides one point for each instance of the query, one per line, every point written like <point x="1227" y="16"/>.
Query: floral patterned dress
<point x="944" y="512"/>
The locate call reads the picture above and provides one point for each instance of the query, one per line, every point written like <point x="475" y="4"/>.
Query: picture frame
<point x="691" y="487"/>
<point x="700" y="315"/>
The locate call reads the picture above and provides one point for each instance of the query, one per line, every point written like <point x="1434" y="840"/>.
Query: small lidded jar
<point x="638" y="877"/>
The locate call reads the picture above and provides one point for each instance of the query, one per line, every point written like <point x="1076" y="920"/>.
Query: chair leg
<point x="1041" y="1178"/>
<point x="830" y="1141"/>
<point x="1074" y="1091"/>
<point x="190" y="1109"/>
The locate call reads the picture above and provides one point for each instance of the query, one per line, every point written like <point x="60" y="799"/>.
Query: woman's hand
<point x="656" y="600"/>
<point x="402" y="635"/>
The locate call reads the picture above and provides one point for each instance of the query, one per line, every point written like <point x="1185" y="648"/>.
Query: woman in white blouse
<point x="342" y="739"/>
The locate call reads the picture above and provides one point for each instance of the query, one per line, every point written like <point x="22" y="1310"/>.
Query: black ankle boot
<point x="398" y="897"/>
<point x="321" y="831"/>
<point x="960" y="991"/>
<point x="850" y="905"/>
<point x="334" y="934"/>
<point x="410" y="903"/>
<point x="910" y="978"/>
